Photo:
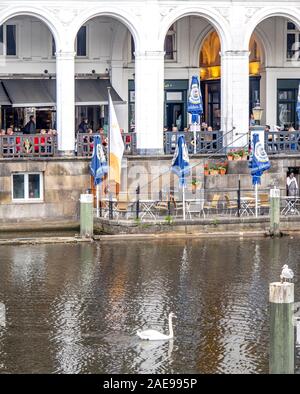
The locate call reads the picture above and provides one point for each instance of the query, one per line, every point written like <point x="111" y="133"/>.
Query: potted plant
<point x="206" y="170"/>
<point x="195" y="183"/>
<point x="213" y="170"/>
<point x="245" y="154"/>
<point x="222" y="170"/>
<point x="230" y="155"/>
<point x="237" y="156"/>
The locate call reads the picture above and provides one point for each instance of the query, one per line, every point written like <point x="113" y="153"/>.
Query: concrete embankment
<point x="38" y="226"/>
<point x="225" y="227"/>
<point x="105" y="230"/>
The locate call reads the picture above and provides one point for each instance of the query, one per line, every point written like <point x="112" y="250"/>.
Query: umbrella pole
<point x="256" y="199"/>
<point x="183" y="201"/>
<point x="195" y="139"/>
<point x="97" y="200"/>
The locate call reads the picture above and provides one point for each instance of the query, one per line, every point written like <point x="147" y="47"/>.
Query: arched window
<point x="170" y="44"/>
<point x="8" y="40"/>
<point x="292" y="42"/>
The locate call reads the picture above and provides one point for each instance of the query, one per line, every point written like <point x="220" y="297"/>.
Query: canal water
<point x="76" y="308"/>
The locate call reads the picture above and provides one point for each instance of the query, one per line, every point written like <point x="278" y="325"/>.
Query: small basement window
<point x="27" y="187"/>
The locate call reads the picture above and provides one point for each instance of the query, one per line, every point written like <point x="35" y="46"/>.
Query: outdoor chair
<point x="124" y="205"/>
<point x="122" y="209"/>
<point x="213" y="204"/>
<point x="264" y="203"/>
<point x="195" y="207"/>
<point x="161" y="208"/>
<point x="230" y="205"/>
<point x="123" y="196"/>
<point x="178" y="208"/>
<point x="104" y="208"/>
<point x="250" y="196"/>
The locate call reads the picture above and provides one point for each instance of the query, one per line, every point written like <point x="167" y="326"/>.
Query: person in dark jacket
<point x="30" y="127"/>
<point x="84" y="126"/>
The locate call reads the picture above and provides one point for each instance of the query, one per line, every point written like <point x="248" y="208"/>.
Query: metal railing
<point x="206" y="141"/>
<point x="282" y="141"/>
<point x="85" y="143"/>
<point x="35" y="145"/>
<point x="208" y="204"/>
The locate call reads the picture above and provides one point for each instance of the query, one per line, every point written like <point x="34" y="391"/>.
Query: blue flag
<point x="195" y="104"/>
<point x="259" y="161"/>
<point x="298" y="105"/>
<point x="98" y="165"/>
<point x="180" y="162"/>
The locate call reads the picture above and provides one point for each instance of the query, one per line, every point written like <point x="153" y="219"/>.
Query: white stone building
<point x="245" y="51"/>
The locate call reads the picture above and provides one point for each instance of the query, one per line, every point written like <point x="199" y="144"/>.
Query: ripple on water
<point x="76" y="308"/>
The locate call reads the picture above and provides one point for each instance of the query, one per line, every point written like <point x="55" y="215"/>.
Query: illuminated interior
<point x="210" y="61"/>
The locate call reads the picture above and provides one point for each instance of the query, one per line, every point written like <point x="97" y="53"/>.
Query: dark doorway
<point x="254" y="92"/>
<point x="174" y="115"/>
<point x="211" y="93"/>
<point x="287" y="93"/>
<point x="44" y="119"/>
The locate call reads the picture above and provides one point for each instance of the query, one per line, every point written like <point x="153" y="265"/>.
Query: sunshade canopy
<point x="94" y="92"/>
<point x="30" y="92"/>
<point x="4" y="100"/>
<point x="42" y="92"/>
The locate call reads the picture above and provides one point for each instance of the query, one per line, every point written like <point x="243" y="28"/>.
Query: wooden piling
<point x="281" y="297"/>
<point x="275" y="212"/>
<point x="86" y="215"/>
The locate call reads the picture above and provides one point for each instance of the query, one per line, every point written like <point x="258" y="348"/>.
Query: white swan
<point x="153" y="335"/>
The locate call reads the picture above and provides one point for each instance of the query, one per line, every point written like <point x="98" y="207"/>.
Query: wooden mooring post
<point x="275" y="212"/>
<point x="86" y="215"/>
<point x="281" y="297"/>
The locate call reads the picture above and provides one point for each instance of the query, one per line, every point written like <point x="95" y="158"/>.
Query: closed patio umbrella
<point x="195" y="105"/>
<point x="259" y="162"/>
<point x="181" y="166"/>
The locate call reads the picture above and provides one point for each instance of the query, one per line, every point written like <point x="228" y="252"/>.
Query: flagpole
<point x="108" y="144"/>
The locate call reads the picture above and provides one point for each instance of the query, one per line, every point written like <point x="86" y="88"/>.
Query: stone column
<point x="149" y="101"/>
<point x="235" y="97"/>
<point x="65" y="102"/>
<point x="117" y="81"/>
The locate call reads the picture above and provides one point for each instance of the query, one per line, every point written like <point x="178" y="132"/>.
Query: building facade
<point x="244" y="52"/>
<point x="57" y="59"/>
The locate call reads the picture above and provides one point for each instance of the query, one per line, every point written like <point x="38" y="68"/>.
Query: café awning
<point x="30" y="92"/>
<point x="94" y="92"/>
<point x="42" y="92"/>
<point x="4" y="100"/>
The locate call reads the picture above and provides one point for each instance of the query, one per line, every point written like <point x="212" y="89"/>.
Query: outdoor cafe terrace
<point x="43" y="145"/>
<point x="214" y="205"/>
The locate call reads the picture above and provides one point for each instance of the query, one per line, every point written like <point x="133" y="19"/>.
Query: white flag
<point x="116" y="145"/>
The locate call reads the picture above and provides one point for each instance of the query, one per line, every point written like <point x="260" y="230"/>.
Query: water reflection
<point x="76" y="308"/>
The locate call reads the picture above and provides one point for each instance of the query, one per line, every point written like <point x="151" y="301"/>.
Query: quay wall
<point x="225" y="227"/>
<point x="66" y="178"/>
<point x="63" y="181"/>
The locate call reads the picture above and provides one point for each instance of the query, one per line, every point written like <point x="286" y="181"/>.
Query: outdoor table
<point x="146" y="207"/>
<point x="290" y="206"/>
<point x="247" y="207"/>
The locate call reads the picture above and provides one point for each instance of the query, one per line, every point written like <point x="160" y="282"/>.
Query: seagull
<point x="153" y="335"/>
<point x="286" y="273"/>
